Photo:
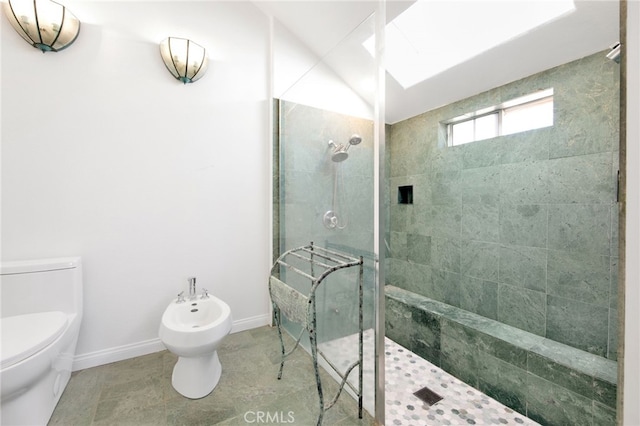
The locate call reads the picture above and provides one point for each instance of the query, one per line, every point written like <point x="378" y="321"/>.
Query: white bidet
<point x="193" y="330"/>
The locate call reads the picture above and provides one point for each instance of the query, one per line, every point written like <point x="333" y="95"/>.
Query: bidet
<point x="193" y="331"/>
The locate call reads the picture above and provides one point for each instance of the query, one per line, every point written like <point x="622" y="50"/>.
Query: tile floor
<point x="138" y="391"/>
<point x="460" y="405"/>
<point x="406" y="373"/>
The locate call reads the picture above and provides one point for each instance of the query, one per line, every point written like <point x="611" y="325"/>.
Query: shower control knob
<point x="330" y="219"/>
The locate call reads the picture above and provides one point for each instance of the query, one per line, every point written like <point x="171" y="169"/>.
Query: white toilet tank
<point x="30" y="286"/>
<point x="41" y="308"/>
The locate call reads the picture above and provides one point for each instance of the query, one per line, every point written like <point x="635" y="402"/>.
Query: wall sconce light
<point x="186" y="60"/>
<point x="44" y="24"/>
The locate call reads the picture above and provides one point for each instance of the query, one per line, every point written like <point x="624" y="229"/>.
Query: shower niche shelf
<point x="405" y="194"/>
<point x="315" y="264"/>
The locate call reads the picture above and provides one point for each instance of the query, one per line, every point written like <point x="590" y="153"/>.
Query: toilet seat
<point x="24" y="335"/>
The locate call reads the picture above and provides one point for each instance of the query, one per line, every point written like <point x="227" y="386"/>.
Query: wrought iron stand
<point x="301" y="308"/>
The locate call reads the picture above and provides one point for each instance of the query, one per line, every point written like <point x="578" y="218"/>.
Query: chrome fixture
<point x="340" y="151"/>
<point x="205" y="294"/>
<point x="44" y="24"/>
<point x="330" y="219"/>
<point x="187" y="61"/>
<point x="355" y="139"/>
<point x="192" y="288"/>
<point x="336" y="217"/>
<point x="614" y="54"/>
<point x="180" y="297"/>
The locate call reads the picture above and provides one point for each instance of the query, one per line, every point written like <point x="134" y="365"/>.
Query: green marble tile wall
<point x="519" y="228"/>
<point x="305" y="184"/>
<point x="550" y="382"/>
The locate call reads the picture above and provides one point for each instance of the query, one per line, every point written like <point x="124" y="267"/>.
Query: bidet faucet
<point x="192" y="288"/>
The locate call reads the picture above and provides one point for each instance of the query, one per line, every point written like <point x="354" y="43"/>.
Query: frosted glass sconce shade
<point x="44" y="24"/>
<point x="186" y="60"/>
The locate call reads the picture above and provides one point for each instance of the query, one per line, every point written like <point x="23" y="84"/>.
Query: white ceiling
<point x="333" y="31"/>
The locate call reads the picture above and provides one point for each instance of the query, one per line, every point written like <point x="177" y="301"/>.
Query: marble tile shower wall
<point x="519" y="228"/>
<point x="306" y="188"/>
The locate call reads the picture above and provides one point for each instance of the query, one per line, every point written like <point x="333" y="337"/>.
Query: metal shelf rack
<point x="301" y="308"/>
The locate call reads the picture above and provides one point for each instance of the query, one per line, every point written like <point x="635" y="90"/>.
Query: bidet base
<point x="196" y="377"/>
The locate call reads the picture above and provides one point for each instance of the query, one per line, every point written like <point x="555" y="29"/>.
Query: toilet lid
<point x="24" y="335"/>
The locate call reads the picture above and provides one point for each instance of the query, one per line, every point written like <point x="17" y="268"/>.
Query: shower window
<point x="529" y="112"/>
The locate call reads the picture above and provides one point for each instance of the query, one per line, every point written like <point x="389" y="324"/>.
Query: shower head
<point x="339" y="155"/>
<point x="340" y="152"/>
<point x="355" y="139"/>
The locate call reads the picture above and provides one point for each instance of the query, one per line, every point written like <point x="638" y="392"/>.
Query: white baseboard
<point x="107" y="356"/>
<point x="252" y="322"/>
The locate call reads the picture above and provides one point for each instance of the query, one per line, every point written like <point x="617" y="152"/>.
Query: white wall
<point x="106" y="156"/>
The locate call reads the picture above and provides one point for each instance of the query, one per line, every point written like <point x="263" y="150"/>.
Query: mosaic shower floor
<point x="406" y="373"/>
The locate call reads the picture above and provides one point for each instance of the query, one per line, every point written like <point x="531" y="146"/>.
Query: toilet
<point x="193" y="330"/>
<point x="41" y="315"/>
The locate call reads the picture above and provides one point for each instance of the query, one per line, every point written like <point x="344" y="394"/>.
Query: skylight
<point x="432" y="36"/>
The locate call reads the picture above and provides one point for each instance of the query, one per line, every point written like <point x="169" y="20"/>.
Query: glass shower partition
<point x="324" y="193"/>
